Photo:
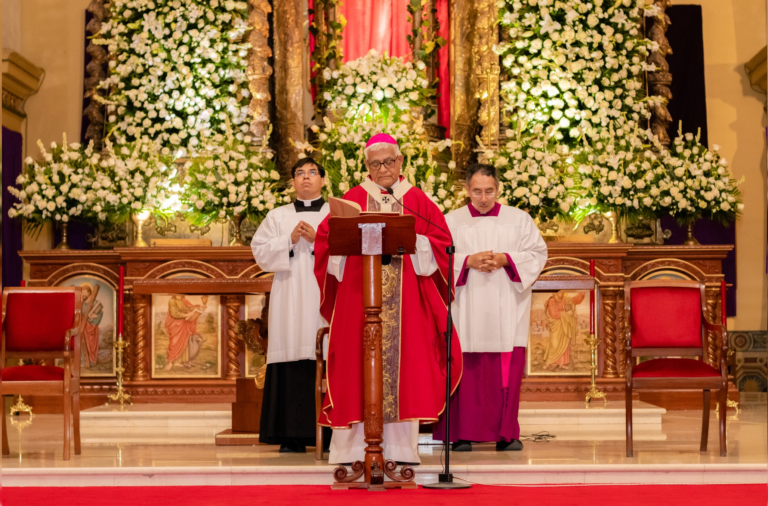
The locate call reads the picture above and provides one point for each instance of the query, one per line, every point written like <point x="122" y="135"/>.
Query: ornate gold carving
<point x="233" y="342"/>
<point x="141" y="322"/>
<point x="97" y="72"/>
<point x="288" y="23"/>
<point x="463" y="100"/>
<point x="660" y="80"/>
<point x="487" y="70"/>
<point x="609" y="311"/>
<point x="259" y="70"/>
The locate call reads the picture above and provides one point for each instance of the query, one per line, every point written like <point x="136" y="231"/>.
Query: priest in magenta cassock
<point x="413" y="314"/>
<point x="499" y="255"/>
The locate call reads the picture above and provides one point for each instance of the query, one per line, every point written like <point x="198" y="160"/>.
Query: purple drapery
<point x="710" y="232"/>
<point x="689" y="105"/>
<point x="12" y="159"/>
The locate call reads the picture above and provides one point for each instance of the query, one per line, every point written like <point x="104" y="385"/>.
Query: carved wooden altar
<point x="224" y="270"/>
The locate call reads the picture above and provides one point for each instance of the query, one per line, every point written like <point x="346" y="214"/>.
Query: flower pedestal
<point x="613" y="217"/>
<point x="138" y="220"/>
<point x="237" y="235"/>
<point x="690" y="240"/>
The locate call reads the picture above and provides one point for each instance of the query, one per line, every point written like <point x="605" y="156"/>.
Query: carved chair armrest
<point x="68" y="335"/>
<point x="721" y="330"/>
<point x="319" y="342"/>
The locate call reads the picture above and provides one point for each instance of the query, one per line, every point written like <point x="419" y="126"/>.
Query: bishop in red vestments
<point x="413" y="312"/>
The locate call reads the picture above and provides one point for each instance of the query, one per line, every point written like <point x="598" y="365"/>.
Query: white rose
<point x="534" y="200"/>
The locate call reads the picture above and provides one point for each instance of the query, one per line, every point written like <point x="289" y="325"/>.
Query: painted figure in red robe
<point x="93" y="312"/>
<point x="181" y="324"/>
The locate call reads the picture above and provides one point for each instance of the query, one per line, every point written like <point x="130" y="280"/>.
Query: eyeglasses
<point x="311" y="173"/>
<point x="376" y="165"/>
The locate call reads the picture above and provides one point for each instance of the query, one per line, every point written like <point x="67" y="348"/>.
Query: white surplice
<point x="491" y="313"/>
<point x="294" y="312"/>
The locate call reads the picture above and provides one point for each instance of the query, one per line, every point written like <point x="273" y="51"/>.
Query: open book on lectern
<point x="347" y="209"/>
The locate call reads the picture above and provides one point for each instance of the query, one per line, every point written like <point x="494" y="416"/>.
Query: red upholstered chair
<point x="667" y="318"/>
<point x="42" y="324"/>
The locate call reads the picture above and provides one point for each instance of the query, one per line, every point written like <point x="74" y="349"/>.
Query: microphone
<point x="450" y="249"/>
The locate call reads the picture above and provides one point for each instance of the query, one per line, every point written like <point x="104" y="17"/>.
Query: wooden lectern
<point x="372" y="235"/>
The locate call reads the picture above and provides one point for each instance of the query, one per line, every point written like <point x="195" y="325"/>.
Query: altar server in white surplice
<point x="284" y="244"/>
<point x="499" y="255"/>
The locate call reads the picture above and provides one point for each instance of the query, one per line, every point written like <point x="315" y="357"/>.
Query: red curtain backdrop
<point x="443" y="70"/>
<point x="376" y="24"/>
<point x="383" y="25"/>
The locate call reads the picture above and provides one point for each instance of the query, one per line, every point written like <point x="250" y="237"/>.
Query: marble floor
<point x="589" y="454"/>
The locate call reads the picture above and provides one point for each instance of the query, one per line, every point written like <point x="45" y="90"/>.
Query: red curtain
<point x="376" y="24"/>
<point x="383" y="25"/>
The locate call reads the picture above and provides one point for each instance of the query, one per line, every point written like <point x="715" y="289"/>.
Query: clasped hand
<point x="304" y="230"/>
<point x="487" y="261"/>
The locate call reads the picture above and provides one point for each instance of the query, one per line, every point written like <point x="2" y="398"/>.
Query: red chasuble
<point x="414" y="316"/>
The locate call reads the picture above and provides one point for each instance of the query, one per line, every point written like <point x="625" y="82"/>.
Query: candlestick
<point x="120" y="345"/>
<point x="592" y="299"/>
<point x="120" y="301"/>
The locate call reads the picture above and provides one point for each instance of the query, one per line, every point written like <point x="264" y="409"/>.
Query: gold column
<point x="463" y="100"/>
<point x="487" y="71"/>
<point x="259" y="70"/>
<point x="288" y="49"/>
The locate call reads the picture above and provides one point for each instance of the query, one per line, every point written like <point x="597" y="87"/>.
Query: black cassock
<point x="288" y="407"/>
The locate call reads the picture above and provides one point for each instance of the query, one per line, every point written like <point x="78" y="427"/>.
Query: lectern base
<point x="446" y="483"/>
<point x="346" y="480"/>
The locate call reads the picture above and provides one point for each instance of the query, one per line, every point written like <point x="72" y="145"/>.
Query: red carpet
<point x="478" y="495"/>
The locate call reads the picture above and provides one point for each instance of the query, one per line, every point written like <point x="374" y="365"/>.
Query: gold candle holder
<point x="121" y="395"/>
<point x="20" y="407"/>
<point x="594" y="393"/>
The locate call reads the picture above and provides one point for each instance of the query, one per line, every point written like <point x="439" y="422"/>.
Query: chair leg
<point x="6" y="448"/>
<point x="723" y="410"/>
<point x="76" y="417"/>
<point x="628" y="410"/>
<point x="67" y="423"/>
<point x="705" y="421"/>
<point x="318" y="442"/>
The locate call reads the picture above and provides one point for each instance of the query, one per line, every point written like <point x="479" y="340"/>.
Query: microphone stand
<point x="445" y="479"/>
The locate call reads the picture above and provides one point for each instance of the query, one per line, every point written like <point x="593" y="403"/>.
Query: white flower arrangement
<point x="377" y="86"/>
<point x="576" y="65"/>
<point x="179" y="70"/>
<point x="133" y="177"/>
<point x="58" y="187"/>
<point x="620" y="173"/>
<point x="532" y="174"/>
<point x="230" y="179"/>
<point x="697" y="183"/>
